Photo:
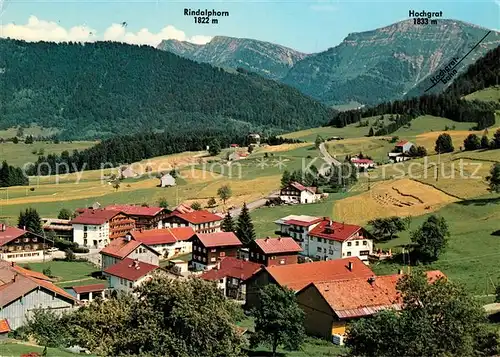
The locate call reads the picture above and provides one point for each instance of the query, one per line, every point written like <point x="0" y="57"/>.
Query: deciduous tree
<point x="472" y="142"/>
<point x="431" y="238"/>
<point x="224" y="192"/>
<point x="444" y="144"/>
<point x="65" y="213"/>
<point x="385" y="228"/>
<point x="494" y="178"/>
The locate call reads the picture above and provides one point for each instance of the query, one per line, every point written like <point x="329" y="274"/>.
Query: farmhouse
<point x="97" y="227"/>
<point x="22" y="290"/>
<point x="330" y="305"/>
<point x="210" y="248"/>
<point x="334" y="240"/>
<point x="128" y="274"/>
<point x="297" y="227"/>
<point x="169" y="242"/>
<point x="127" y="172"/>
<point x="144" y="217"/>
<point x="297" y="276"/>
<point x="20" y="245"/>
<point x="122" y="248"/>
<point x="167" y="180"/>
<point x="230" y="275"/>
<point x="363" y="164"/>
<point x="201" y="221"/>
<point x="274" y="251"/>
<point x="295" y="192"/>
<point x="400" y="151"/>
<point x="62" y="228"/>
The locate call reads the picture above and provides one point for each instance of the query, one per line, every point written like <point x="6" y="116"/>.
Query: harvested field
<point x="279" y="148"/>
<point x="402" y="198"/>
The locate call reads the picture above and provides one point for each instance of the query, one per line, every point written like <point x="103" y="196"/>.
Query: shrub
<point x="80" y="250"/>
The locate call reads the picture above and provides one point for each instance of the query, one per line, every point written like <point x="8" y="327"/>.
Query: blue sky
<point x="308" y="26"/>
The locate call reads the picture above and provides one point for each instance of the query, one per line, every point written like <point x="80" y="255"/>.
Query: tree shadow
<point x="480" y="201"/>
<point x="263" y="354"/>
<point x="496" y="233"/>
<point x="494" y="318"/>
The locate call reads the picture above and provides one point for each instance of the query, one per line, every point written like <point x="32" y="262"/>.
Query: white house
<point x="167" y="180"/>
<point x="330" y="240"/>
<point x="297" y="227"/>
<point x="121" y="248"/>
<point x="400" y="151"/>
<point x="295" y="192"/>
<point x="363" y="164"/>
<point x="92" y="228"/>
<point x="128" y="273"/>
<point x="24" y="290"/>
<point x="169" y="242"/>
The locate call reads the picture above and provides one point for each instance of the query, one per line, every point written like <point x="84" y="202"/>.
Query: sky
<point x="307" y="26"/>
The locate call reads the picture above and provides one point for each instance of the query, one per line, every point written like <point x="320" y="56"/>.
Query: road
<point x="254" y="204"/>
<point x="329" y="159"/>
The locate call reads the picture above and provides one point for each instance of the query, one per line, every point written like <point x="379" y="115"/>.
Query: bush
<point x="63" y="245"/>
<point x="80" y="250"/>
<point x="70" y="255"/>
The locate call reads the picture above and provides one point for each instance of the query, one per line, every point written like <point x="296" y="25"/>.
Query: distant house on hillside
<point x="254" y="139"/>
<point x="363" y="164"/>
<point x="167" y="180"/>
<point x="400" y="151"/>
<point x="295" y="192"/>
<point x="127" y="172"/>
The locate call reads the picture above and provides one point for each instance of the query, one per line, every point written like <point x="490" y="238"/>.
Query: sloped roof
<point x="301" y="187"/>
<point x="297" y="276"/>
<point x="15" y="283"/>
<point x="131" y="269"/>
<point x="278" y="245"/>
<point x="135" y="210"/>
<point x="164" y="235"/>
<point x="94" y="216"/>
<point x="232" y="267"/>
<point x="182" y="208"/>
<point x="218" y="239"/>
<point x="336" y="231"/>
<point x="402" y="143"/>
<point x="89" y="288"/>
<point x="121" y="248"/>
<point x="298" y="220"/>
<point x="4" y="326"/>
<point x="10" y="233"/>
<point x="198" y="217"/>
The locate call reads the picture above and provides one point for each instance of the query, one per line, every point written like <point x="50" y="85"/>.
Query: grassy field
<point x="21" y="153"/>
<point x="473" y="251"/>
<point x="34" y="130"/>
<point x="488" y="94"/>
<point x="68" y="274"/>
<point x="16" y="349"/>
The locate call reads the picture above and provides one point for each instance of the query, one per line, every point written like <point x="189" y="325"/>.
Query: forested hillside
<point x="449" y="104"/>
<point x="101" y="89"/>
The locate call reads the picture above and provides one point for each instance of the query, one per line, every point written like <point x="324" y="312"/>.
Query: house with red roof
<point x="145" y="217"/>
<point x="297" y="226"/>
<point x="334" y="240"/>
<point x="201" y="221"/>
<point x="22" y="291"/>
<point x="363" y="164"/>
<point x="400" y="151"/>
<point x="230" y="275"/>
<point x="169" y="242"/>
<point x="297" y="276"/>
<point x="295" y="192"/>
<point x="274" y="251"/>
<point x="122" y="248"/>
<point x="128" y="274"/>
<point x="95" y="228"/>
<point x="330" y="305"/>
<point x="20" y="245"/>
<point x="210" y="248"/>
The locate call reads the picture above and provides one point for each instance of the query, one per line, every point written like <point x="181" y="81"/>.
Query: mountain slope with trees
<point x="101" y="89"/>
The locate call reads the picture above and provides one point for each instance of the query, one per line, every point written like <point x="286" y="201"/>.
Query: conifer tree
<point x="227" y="224"/>
<point x="245" y="230"/>
<point x="30" y="221"/>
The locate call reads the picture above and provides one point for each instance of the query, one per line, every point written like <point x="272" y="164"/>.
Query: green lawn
<point x="473" y="252"/>
<point x="426" y="123"/>
<point x="21" y="153"/>
<point x="67" y="272"/>
<point x="34" y="130"/>
<point x="15" y="349"/>
<point x="488" y="94"/>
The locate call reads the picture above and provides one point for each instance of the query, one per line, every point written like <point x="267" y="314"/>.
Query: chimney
<point x="13" y="264"/>
<point x="128" y="237"/>
<point x="2" y="227"/>
<point x="349" y="266"/>
<point x="14" y="278"/>
<point x="371" y="280"/>
<point x="400" y="271"/>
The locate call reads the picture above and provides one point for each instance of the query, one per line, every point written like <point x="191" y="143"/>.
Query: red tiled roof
<point x="296" y="222"/>
<point x="94" y="216"/>
<point x="9" y="234"/>
<point x="297" y="276"/>
<point x="301" y="187"/>
<point x="89" y="288"/>
<point x="278" y="245"/>
<point x="338" y="231"/>
<point x="135" y="210"/>
<point x="4" y="326"/>
<point x="163" y="236"/>
<point x="362" y="161"/>
<point x="198" y="217"/>
<point x="402" y="143"/>
<point x="120" y="247"/>
<point x="218" y="239"/>
<point x="31" y="273"/>
<point x="232" y="267"/>
<point x="131" y="269"/>
<point x="182" y="208"/>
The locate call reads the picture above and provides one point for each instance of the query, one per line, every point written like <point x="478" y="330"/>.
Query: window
<point x="319" y="250"/>
<point x="364" y="252"/>
<point x="331" y="242"/>
<point x="330" y="251"/>
<point x="204" y="250"/>
<point x="273" y="257"/>
<point x="221" y="281"/>
<point x="348" y="254"/>
<point x="357" y="242"/>
<point x="282" y="261"/>
<point x="212" y="259"/>
<point x="204" y="259"/>
<point x="349" y="244"/>
<point x="251" y="254"/>
<point x="222" y="254"/>
<point x="365" y="242"/>
<point x="130" y="285"/>
<point x="213" y="250"/>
